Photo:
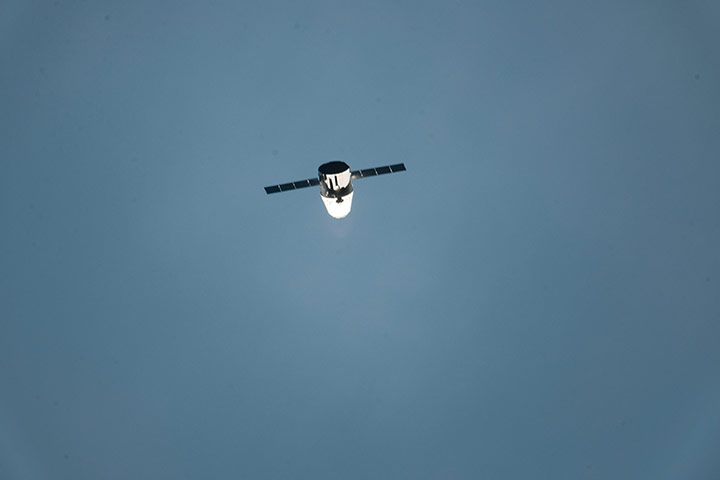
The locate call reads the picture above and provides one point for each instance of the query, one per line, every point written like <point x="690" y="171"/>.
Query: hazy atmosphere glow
<point x="537" y="296"/>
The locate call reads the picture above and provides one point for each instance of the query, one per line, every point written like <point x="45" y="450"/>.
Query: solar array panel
<point x="310" y="182"/>
<point x="371" y="172"/>
<point x="313" y="182"/>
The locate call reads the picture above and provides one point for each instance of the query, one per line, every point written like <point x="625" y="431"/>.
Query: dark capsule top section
<point x="333" y="168"/>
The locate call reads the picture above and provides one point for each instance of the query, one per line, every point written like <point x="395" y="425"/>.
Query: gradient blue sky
<point x="536" y="297"/>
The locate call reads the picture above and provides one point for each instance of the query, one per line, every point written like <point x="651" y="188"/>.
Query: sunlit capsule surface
<point x="338" y="210"/>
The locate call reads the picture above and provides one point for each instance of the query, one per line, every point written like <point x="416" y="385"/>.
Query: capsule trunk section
<point x="336" y="188"/>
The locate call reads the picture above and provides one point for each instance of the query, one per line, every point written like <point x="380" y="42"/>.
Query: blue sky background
<point x="536" y="297"/>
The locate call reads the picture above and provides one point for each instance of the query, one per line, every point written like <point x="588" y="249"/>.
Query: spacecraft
<point x="335" y="181"/>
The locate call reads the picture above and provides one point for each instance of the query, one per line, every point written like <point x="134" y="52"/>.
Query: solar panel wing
<point x="310" y="182"/>
<point x="372" y="172"/>
<point x="368" y="172"/>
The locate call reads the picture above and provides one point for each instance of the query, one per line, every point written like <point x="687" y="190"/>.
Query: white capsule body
<point x="336" y="188"/>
